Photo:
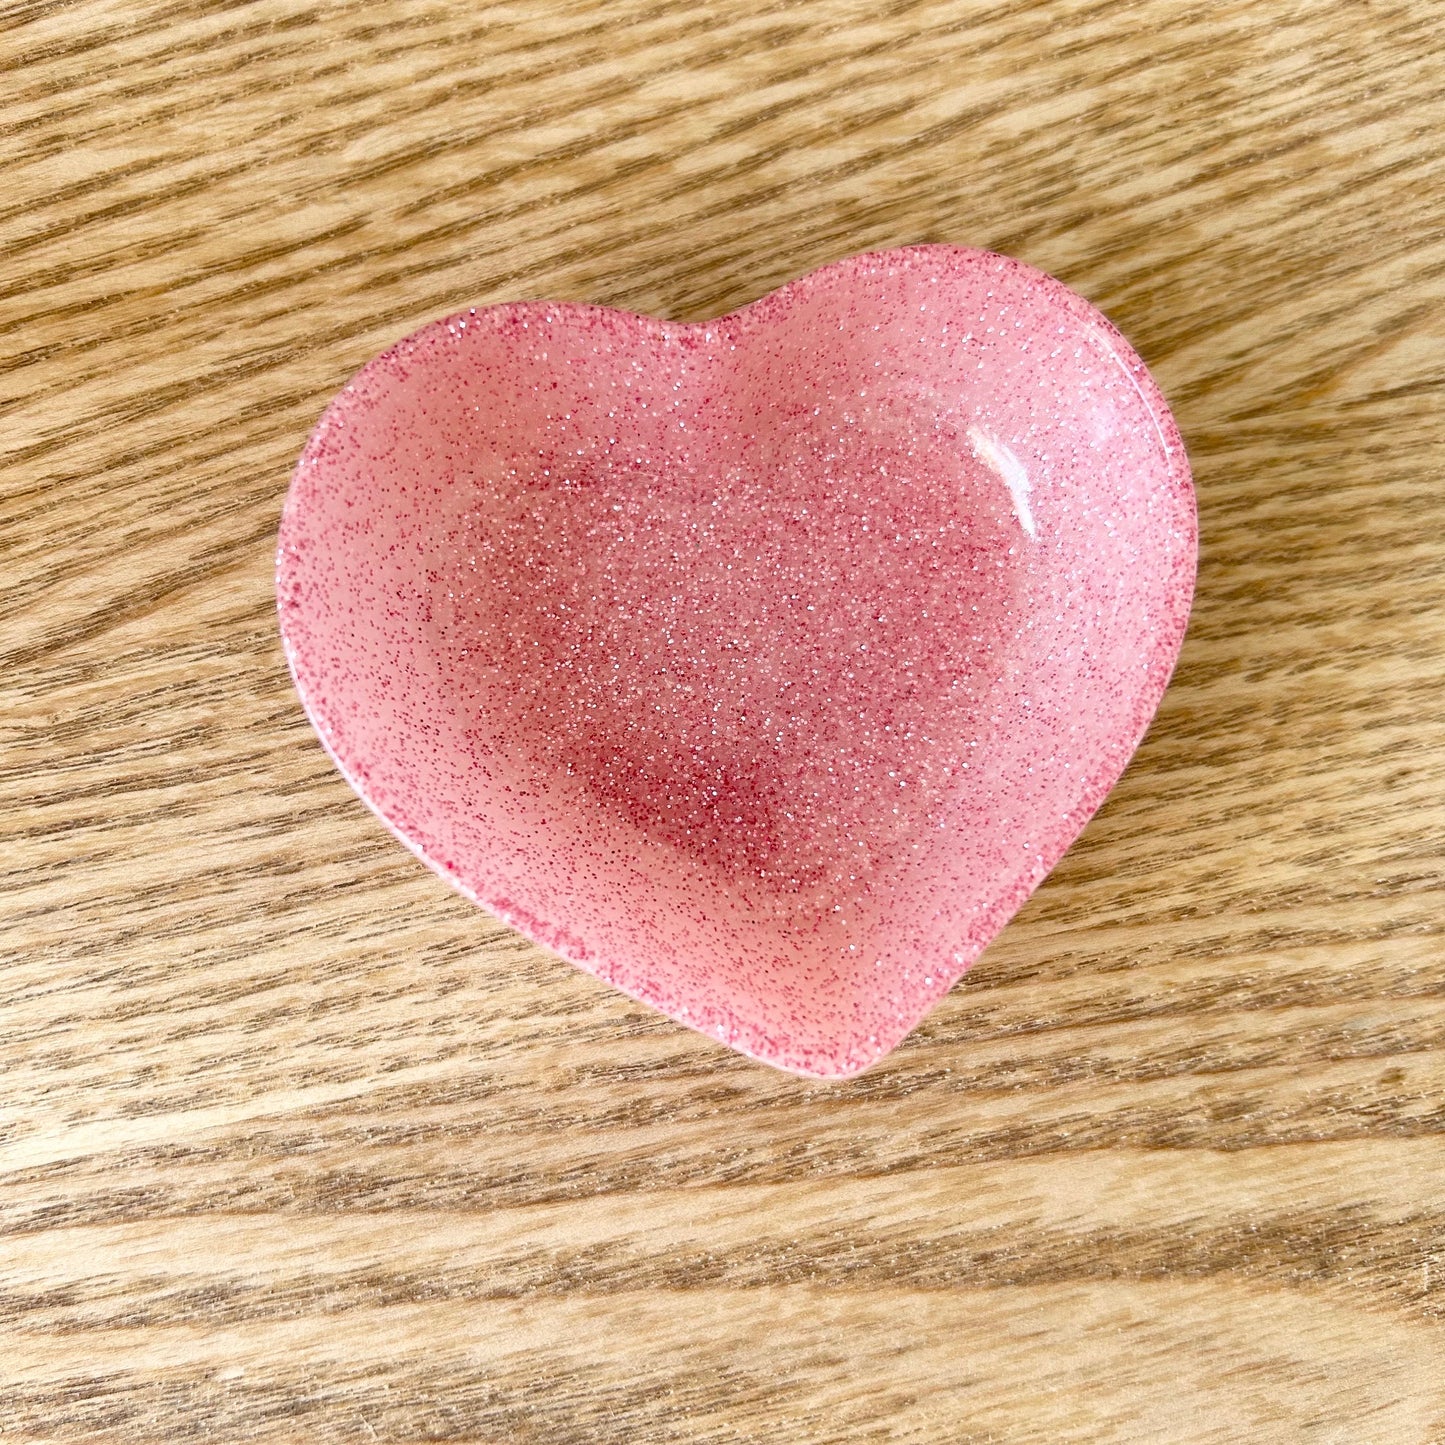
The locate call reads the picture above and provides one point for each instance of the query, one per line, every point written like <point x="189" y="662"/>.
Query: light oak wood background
<point x="297" y="1145"/>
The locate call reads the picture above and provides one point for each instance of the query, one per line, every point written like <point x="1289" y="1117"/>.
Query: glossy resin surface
<point x="762" y="666"/>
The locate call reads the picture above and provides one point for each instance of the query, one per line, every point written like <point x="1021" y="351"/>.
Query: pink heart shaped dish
<point x="761" y="667"/>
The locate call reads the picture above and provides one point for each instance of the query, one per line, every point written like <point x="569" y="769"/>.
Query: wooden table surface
<point x="295" y="1144"/>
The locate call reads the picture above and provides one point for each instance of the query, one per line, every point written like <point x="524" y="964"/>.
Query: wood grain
<point x="296" y="1145"/>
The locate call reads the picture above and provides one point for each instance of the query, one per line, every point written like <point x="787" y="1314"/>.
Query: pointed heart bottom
<point x="760" y="666"/>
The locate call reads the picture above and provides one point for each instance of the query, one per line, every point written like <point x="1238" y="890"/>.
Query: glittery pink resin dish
<point x="762" y="666"/>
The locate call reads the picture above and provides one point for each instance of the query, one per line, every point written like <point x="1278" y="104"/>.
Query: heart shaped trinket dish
<point x="761" y="667"/>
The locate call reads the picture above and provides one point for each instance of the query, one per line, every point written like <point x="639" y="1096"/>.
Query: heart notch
<point x="761" y="667"/>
